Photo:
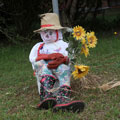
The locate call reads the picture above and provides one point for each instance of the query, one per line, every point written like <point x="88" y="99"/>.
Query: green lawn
<point x="18" y="90"/>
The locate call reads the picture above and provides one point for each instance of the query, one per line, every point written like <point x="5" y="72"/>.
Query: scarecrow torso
<point x="55" y="47"/>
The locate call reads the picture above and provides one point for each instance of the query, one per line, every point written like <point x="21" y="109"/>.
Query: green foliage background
<point x="18" y="19"/>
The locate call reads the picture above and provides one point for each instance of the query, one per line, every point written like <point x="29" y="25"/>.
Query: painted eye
<point x="51" y="33"/>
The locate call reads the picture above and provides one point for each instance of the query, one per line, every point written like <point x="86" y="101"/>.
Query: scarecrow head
<point x="50" y="29"/>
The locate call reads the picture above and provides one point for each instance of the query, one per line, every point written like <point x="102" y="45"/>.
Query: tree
<point x="78" y="9"/>
<point x="20" y="18"/>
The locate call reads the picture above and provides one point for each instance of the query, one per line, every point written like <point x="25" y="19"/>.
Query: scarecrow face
<point x="48" y="36"/>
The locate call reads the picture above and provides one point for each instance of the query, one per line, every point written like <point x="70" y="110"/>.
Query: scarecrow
<point x="51" y="65"/>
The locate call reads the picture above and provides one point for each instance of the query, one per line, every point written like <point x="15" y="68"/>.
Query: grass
<point x="18" y="90"/>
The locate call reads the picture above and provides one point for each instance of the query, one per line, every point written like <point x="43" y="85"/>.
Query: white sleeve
<point x="33" y="53"/>
<point x="64" y="47"/>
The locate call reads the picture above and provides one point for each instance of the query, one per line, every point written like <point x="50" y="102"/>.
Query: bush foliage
<point x="19" y="18"/>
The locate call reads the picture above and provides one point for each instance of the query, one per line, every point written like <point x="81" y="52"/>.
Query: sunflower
<point x="80" y="71"/>
<point x="83" y="41"/>
<point x="92" y="40"/>
<point x="85" y="50"/>
<point x="115" y="33"/>
<point x="78" y="32"/>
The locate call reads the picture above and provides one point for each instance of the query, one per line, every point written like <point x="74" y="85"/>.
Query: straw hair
<point x="50" y="21"/>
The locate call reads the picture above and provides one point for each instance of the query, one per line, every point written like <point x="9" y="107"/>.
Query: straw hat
<point x="50" y="21"/>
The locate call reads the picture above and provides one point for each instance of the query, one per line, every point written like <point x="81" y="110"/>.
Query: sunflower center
<point x="78" y="33"/>
<point x="79" y="71"/>
<point x="91" y="40"/>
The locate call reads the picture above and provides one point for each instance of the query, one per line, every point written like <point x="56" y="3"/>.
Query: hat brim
<point x="51" y="28"/>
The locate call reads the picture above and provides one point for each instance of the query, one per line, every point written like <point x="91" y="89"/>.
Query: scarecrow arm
<point x="42" y="57"/>
<point x="58" y="61"/>
<point x="53" y="56"/>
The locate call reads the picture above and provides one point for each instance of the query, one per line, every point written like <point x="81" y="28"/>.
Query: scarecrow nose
<point x="47" y="36"/>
